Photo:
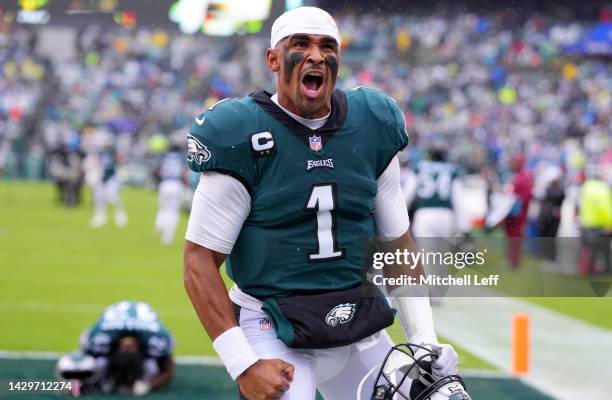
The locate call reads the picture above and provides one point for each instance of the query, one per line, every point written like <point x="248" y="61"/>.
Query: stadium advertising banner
<point x="211" y="17"/>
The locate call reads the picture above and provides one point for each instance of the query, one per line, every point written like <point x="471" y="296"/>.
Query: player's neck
<point x="314" y="123"/>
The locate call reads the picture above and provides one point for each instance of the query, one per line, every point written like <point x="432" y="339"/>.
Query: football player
<point x="436" y="190"/>
<point x="294" y="185"/>
<point x="434" y="193"/>
<point x="101" y="175"/>
<point x="172" y="175"/>
<point x="132" y="349"/>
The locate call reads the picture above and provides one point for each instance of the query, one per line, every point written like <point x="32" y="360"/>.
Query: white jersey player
<point x="100" y="174"/>
<point x="171" y="190"/>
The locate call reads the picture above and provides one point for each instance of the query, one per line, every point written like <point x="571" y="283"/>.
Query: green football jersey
<point x="434" y="184"/>
<point x="108" y="165"/>
<point x="133" y="319"/>
<point x="312" y="191"/>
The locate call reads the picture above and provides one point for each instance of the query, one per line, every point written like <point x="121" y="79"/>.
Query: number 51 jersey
<point x="312" y="191"/>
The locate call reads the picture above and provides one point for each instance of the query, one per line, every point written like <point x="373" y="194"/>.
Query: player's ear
<point x="273" y="60"/>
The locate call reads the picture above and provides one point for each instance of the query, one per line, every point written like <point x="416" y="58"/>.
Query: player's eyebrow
<point x="298" y="37"/>
<point x="329" y="40"/>
<point x="326" y="40"/>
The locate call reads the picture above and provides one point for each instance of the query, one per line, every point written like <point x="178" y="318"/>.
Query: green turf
<point x="190" y="382"/>
<point x="207" y="382"/>
<point x="594" y="310"/>
<point x="58" y="274"/>
<point x="530" y="280"/>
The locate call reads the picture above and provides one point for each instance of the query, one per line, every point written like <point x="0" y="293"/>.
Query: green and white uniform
<point x="128" y="318"/>
<point x="298" y="221"/>
<point x="311" y="192"/>
<point x="436" y="184"/>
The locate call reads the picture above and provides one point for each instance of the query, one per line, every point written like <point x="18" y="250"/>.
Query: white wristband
<point x="141" y="388"/>
<point x="235" y="351"/>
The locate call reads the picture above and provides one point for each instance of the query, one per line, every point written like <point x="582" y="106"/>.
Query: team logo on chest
<point x="340" y="314"/>
<point x="315" y="143"/>
<point x="310" y="164"/>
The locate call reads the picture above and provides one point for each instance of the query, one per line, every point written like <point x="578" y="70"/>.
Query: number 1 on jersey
<point x="322" y="200"/>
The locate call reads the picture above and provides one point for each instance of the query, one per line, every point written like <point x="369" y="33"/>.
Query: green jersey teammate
<point x="132" y="349"/>
<point x="294" y="185"/>
<point x="435" y="192"/>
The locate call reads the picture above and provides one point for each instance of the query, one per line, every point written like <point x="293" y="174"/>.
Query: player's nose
<point x="315" y="55"/>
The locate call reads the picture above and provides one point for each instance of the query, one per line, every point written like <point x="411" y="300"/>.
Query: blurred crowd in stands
<point x="492" y="85"/>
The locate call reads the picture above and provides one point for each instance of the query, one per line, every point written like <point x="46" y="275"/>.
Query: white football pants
<point x="436" y="222"/>
<point x="432" y="227"/>
<point x="169" y="199"/>
<point x="335" y="372"/>
<point x="103" y="194"/>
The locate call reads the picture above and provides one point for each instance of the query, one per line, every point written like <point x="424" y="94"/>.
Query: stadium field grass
<point x="58" y="274"/>
<point x="594" y="310"/>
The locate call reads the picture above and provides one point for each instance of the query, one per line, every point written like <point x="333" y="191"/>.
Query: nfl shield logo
<point x="265" y="324"/>
<point x="315" y="143"/>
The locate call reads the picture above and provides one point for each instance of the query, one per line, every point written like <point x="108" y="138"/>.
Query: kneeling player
<point x="127" y="351"/>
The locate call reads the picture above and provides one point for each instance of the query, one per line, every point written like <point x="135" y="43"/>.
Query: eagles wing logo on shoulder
<point x="340" y="314"/>
<point x="196" y="151"/>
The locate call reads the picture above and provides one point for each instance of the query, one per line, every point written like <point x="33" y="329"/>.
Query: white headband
<point x="309" y="20"/>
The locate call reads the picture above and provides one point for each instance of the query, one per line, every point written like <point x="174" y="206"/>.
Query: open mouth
<point x="312" y="83"/>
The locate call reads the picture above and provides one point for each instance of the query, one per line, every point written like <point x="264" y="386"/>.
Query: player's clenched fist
<point x="266" y="380"/>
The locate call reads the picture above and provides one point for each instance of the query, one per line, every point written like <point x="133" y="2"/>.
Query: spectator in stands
<point x="492" y="82"/>
<point x="595" y="210"/>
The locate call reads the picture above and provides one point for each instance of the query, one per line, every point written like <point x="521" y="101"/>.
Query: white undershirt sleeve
<point x="220" y="206"/>
<point x="409" y="186"/>
<point x="391" y="216"/>
<point x="456" y="188"/>
<point x="390" y="212"/>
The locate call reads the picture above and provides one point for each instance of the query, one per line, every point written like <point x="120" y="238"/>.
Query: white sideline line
<point x="484" y="373"/>
<point x="568" y="356"/>
<point x="51" y="355"/>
